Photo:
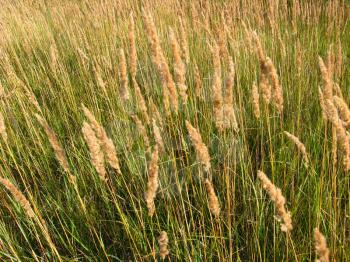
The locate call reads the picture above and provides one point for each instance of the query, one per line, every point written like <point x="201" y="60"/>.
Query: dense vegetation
<point x="177" y="130"/>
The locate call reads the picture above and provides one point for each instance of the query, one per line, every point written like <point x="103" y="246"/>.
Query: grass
<point x="56" y="56"/>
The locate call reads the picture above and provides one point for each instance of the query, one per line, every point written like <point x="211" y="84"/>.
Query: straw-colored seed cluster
<point x="152" y="185"/>
<point x="279" y="200"/>
<point x="18" y="195"/>
<point x="168" y="82"/>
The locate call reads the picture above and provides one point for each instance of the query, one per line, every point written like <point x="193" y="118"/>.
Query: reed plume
<point x="339" y="63"/>
<point x="153" y="39"/>
<point x="330" y="62"/>
<point x="342" y="137"/>
<point x="93" y="122"/>
<point x="229" y="117"/>
<point x="124" y="89"/>
<point x="108" y="148"/>
<point x="276" y="86"/>
<point x="141" y="102"/>
<point x="327" y="80"/>
<point x="157" y="136"/>
<point x="3" y="132"/>
<point x="184" y="42"/>
<point x="95" y="150"/>
<point x="321" y="248"/>
<point x="279" y="200"/>
<point x="132" y="47"/>
<point x="343" y="110"/>
<point x="258" y="48"/>
<point x="300" y="146"/>
<point x="201" y="149"/>
<point x="56" y="146"/>
<point x="168" y="80"/>
<point x="110" y="152"/>
<point x="163" y="244"/>
<point x="100" y="82"/>
<point x="152" y="184"/>
<point x="217" y="89"/>
<point x="198" y="83"/>
<point x="179" y="67"/>
<point x="170" y="95"/>
<point x="263" y="61"/>
<point x="255" y="98"/>
<point x="265" y="88"/>
<point x="214" y="204"/>
<point x="18" y="195"/>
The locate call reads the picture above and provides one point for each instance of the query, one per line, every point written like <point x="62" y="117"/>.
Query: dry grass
<point x="135" y="130"/>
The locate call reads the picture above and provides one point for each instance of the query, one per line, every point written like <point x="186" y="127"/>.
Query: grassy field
<point x="174" y="130"/>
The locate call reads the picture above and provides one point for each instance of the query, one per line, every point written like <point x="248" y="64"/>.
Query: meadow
<point x="172" y="130"/>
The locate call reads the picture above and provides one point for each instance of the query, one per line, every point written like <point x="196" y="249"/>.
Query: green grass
<point x="115" y="225"/>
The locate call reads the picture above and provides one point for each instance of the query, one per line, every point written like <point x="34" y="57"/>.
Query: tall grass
<point x="134" y="130"/>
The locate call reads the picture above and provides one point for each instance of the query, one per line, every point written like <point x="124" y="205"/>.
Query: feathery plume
<point x="111" y="153"/>
<point x="327" y="80"/>
<point x="104" y="141"/>
<point x="299" y="145"/>
<point x="263" y="61"/>
<point x="161" y="64"/>
<point x="276" y="86"/>
<point x="184" y="42"/>
<point x="56" y="146"/>
<point x="152" y="184"/>
<point x="217" y="89"/>
<point x="339" y="62"/>
<point x="168" y="80"/>
<point x="258" y="47"/>
<point x="229" y="117"/>
<point x="100" y="82"/>
<point x="198" y="82"/>
<point x="330" y="63"/>
<point x="157" y="136"/>
<point x="343" y="110"/>
<point x="199" y="146"/>
<point x="179" y="67"/>
<point x="141" y="102"/>
<point x="132" y="46"/>
<point x="3" y="132"/>
<point x="152" y="38"/>
<point x="321" y="248"/>
<point x="255" y="98"/>
<point x="342" y="137"/>
<point x="279" y="200"/>
<point x="265" y="88"/>
<point x="93" y="122"/>
<point x="18" y="195"/>
<point x="163" y="244"/>
<point x="95" y="150"/>
<point x="214" y="204"/>
<point x="124" y="89"/>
